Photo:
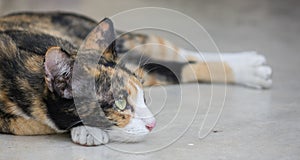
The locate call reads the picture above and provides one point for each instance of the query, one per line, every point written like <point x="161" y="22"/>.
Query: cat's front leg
<point x="89" y="136"/>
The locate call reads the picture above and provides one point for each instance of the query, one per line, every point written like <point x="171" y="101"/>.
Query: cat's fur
<point x="37" y="55"/>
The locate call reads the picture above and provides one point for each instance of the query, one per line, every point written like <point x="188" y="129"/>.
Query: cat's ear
<point x="58" y="68"/>
<point x="102" y="38"/>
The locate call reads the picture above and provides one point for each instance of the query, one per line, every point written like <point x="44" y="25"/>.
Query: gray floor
<point x="254" y="124"/>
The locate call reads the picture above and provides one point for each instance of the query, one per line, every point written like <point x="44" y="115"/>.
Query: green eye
<point x="120" y="104"/>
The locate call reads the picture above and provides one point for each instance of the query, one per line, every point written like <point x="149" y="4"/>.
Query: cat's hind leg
<point x="248" y="68"/>
<point x="244" y="68"/>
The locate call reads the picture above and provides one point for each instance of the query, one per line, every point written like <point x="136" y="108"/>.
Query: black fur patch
<point x="36" y="42"/>
<point x="62" y="112"/>
<point x="77" y="25"/>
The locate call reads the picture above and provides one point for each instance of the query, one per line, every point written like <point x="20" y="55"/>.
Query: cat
<point x="38" y="52"/>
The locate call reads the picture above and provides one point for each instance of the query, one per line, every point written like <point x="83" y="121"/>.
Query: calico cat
<point x="38" y="52"/>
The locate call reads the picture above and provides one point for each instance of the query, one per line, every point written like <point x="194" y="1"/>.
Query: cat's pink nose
<point x="151" y="125"/>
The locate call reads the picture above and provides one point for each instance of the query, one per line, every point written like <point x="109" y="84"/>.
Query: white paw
<point x="89" y="136"/>
<point x="250" y="69"/>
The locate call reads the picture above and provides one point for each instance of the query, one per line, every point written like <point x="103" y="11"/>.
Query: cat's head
<point x="118" y="91"/>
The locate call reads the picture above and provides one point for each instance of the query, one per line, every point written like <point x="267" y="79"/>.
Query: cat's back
<point x="60" y="24"/>
<point x="36" y="32"/>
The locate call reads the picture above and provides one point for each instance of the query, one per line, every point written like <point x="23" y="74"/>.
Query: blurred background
<point x="270" y="27"/>
<point x="255" y="124"/>
<point x="267" y="26"/>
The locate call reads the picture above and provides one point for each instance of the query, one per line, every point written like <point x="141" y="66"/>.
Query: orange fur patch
<point x="34" y="63"/>
<point x="94" y="71"/>
<point x="121" y="118"/>
<point x="207" y="72"/>
<point x="21" y="126"/>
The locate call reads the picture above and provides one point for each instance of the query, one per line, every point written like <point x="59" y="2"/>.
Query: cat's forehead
<point x="120" y="82"/>
<point x="124" y="77"/>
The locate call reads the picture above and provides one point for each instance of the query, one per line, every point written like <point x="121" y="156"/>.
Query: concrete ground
<point x="254" y="124"/>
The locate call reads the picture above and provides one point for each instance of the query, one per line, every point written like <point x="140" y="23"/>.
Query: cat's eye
<point x="120" y="104"/>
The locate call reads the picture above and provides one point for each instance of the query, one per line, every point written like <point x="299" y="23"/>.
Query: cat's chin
<point x="125" y="137"/>
<point x="135" y="131"/>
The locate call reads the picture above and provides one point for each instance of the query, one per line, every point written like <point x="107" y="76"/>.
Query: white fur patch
<point x="250" y="69"/>
<point x="139" y="102"/>
<point x="141" y="110"/>
<point x="89" y="136"/>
